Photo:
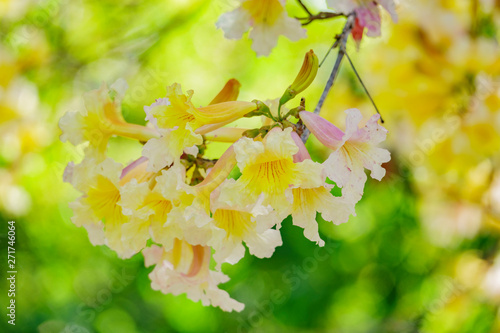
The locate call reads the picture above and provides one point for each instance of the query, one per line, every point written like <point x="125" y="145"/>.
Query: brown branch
<point x="313" y="17"/>
<point x="342" y="41"/>
<point x="304" y="7"/>
<point x="320" y="16"/>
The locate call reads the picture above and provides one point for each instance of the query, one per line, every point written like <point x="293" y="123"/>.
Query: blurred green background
<point x="396" y="267"/>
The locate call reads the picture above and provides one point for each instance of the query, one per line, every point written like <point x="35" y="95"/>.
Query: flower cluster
<point x="183" y="210"/>
<point x="448" y="128"/>
<point x="268" y="19"/>
<point x="24" y="127"/>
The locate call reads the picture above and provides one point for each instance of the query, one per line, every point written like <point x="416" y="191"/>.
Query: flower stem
<point x="225" y="134"/>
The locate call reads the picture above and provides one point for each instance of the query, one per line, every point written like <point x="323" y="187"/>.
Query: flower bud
<point x="224" y="112"/>
<point x="327" y="133"/>
<point x="226" y="134"/>
<point x="305" y="77"/>
<point x="229" y="93"/>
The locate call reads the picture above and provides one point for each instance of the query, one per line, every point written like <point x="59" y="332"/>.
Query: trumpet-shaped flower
<point x="181" y="124"/>
<point x="193" y="212"/>
<point x="268" y="20"/>
<point x="353" y="151"/>
<point x="148" y="209"/>
<point x="249" y="222"/>
<point x="267" y="167"/>
<point x="99" y="207"/>
<point x="199" y="210"/>
<point x="177" y="110"/>
<point x="168" y="148"/>
<point x="312" y="195"/>
<point x="100" y="120"/>
<point x="185" y="269"/>
<point x="367" y="14"/>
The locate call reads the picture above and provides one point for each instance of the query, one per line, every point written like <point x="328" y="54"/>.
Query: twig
<point x="364" y="87"/>
<point x="319" y="16"/>
<point x="331" y="80"/>
<point x="305" y="8"/>
<point x="334" y="45"/>
<point x="312" y="17"/>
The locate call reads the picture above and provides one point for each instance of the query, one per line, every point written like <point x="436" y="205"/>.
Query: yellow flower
<point x="249" y="222"/>
<point x="268" y="20"/>
<point x="267" y="168"/>
<point x="177" y="110"/>
<point x="168" y="149"/>
<point x="181" y="124"/>
<point x="100" y="120"/>
<point x="353" y="151"/>
<point x="305" y="77"/>
<point x="184" y="269"/>
<point x="193" y="211"/>
<point x="148" y="210"/>
<point x="98" y="208"/>
<point x="312" y="194"/>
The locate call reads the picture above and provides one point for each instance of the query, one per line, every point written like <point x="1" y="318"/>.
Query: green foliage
<point x="376" y="273"/>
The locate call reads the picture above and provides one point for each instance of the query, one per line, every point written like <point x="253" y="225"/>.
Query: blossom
<point x="180" y="124"/>
<point x="267" y="19"/>
<point x="101" y="119"/>
<point x="249" y="222"/>
<point x="168" y="148"/>
<point x="185" y="269"/>
<point x="177" y="110"/>
<point x="193" y="212"/>
<point x="353" y="150"/>
<point x="149" y="208"/>
<point x="98" y="210"/>
<point x="186" y="205"/>
<point x="312" y="195"/>
<point x="267" y="167"/>
<point x="367" y="14"/>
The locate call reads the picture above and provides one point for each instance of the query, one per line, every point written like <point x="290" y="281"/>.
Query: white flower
<point x="162" y="152"/>
<point x="98" y="208"/>
<point x="249" y="222"/>
<point x="353" y="151"/>
<point x="149" y="210"/>
<point x="367" y="14"/>
<point x="184" y="269"/>
<point x="267" y="19"/>
<point x="101" y="119"/>
<point x="312" y="194"/>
